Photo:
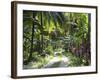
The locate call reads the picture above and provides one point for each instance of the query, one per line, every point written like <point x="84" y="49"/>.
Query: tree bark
<point x="41" y="32"/>
<point x="88" y="48"/>
<point x="31" y="48"/>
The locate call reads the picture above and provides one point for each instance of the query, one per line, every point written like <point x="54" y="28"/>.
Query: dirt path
<point x="57" y="62"/>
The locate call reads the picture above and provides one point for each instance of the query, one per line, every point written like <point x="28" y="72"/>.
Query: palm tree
<point x="43" y="21"/>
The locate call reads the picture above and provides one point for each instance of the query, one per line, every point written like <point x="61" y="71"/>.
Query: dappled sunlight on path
<point x="57" y="62"/>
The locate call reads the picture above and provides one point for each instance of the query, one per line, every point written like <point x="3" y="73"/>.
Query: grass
<point x="41" y="61"/>
<point x="74" y="60"/>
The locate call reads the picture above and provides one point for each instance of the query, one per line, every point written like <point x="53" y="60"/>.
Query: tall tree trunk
<point x="31" y="47"/>
<point x="88" y="48"/>
<point x="89" y="30"/>
<point x="41" y="32"/>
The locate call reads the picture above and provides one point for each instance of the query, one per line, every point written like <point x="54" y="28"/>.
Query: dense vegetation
<point x="55" y="34"/>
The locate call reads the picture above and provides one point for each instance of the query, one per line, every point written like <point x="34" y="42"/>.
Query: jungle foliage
<point x="64" y="33"/>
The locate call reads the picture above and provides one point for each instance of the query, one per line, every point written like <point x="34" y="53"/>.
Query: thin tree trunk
<point x="89" y="24"/>
<point x="41" y="32"/>
<point x="88" y="53"/>
<point x="31" y="48"/>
